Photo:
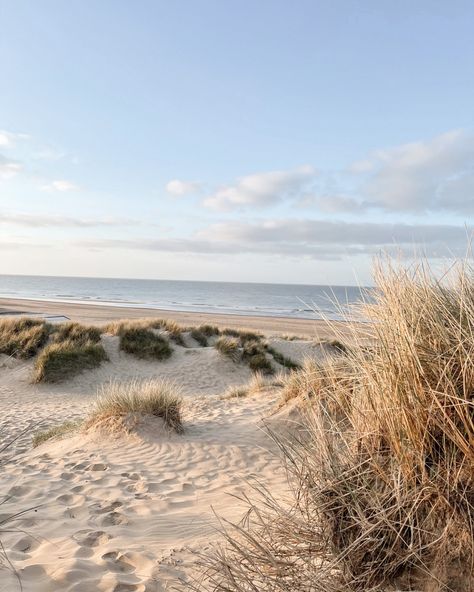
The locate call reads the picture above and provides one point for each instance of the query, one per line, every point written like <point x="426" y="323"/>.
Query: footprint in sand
<point x="106" y="509"/>
<point x="132" y="476"/>
<point x="18" y="491"/>
<point x="119" y="562"/>
<point x="113" y="519"/>
<point x="91" y="538"/>
<point x="26" y="544"/>
<point x="70" y="499"/>
<point x="129" y="588"/>
<point x="97" y="467"/>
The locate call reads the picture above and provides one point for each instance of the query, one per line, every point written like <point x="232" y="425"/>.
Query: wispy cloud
<point x="179" y="188"/>
<point x="60" y="185"/>
<point x="39" y="221"/>
<point x="9" y="138"/>
<point x="317" y="239"/>
<point x="262" y="189"/>
<point x="9" y="168"/>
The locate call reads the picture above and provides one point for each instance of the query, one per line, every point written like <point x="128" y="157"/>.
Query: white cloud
<point x="60" y="185"/>
<point x="179" y="188"/>
<point x="262" y="189"/>
<point x="8" y="138"/>
<point x="317" y="239"/>
<point x="8" y="168"/>
<point x="420" y="176"/>
<point x="43" y="221"/>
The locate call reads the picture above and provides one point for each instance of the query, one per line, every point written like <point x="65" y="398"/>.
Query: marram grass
<point x="382" y="469"/>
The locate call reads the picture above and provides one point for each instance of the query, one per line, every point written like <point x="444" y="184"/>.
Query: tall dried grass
<point x="117" y="400"/>
<point x="22" y="337"/>
<point x="383" y="471"/>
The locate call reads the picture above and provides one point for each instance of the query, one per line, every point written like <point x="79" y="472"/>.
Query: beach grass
<point x="382" y="466"/>
<point x="117" y="400"/>
<point x="63" y="360"/>
<point x="229" y="347"/>
<point x="56" y="432"/>
<point x="200" y="336"/>
<point x="75" y="332"/>
<point x="23" y="337"/>
<point x="144" y="343"/>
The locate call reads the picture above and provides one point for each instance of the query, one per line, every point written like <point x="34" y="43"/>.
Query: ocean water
<point x="274" y="300"/>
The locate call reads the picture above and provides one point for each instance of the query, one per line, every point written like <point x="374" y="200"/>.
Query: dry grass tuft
<point x="116" y="401"/>
<point x="144" y="343"/>
<point x="56" y="432"/>
<point x="384" y="469"/>
<point x="229" y="346"/>
<point x="199" y="336"/>
<point x="23" y="337"/>
<point x="209" y="330"/>
<point x="283" y="360"/>
<point x="63" y="360"/>
<point x="75" y="332"/>
<point x="174" y="330"/>
<point x="258" y="383"/>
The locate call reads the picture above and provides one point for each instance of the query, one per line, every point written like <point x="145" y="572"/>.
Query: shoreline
<point x="98" y="314"/>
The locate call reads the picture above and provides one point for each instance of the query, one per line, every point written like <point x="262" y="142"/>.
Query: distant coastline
<point x="308" y="302"/>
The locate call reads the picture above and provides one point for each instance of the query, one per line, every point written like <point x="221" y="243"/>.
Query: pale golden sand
<point x="129" y="513"/>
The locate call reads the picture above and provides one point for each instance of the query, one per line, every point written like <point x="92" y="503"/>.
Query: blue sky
<point x="267" y="141"/>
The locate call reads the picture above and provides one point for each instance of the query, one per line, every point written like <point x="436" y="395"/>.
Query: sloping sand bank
<point x="125" y="512"/>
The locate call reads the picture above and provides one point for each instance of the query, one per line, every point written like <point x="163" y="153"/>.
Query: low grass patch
<point x="56" y="432"/>
<point x="174" y="331"/>
<point x="243" y="334"/>
<point x="199" y="336"/>
<point x="338" y="346"/>
<point x="254" y="354"/>
<point x="75" y="332"/>
<point x="209" y="330"/>
<point x="235" y="392"/>
<point x="144" y="343"/>
<point x="228" y="346"/>
<point x="117" y="400"/>
<point x="283" y="360"/>
<point x="23" y="337"/>
<point x="63" y="360"/>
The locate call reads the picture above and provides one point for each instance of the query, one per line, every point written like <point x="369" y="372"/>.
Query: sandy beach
<point x="100" y="314"/>
<point x="130" y="511"/>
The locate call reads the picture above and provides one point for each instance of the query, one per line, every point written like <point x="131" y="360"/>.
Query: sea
<point x="254" y="299"/>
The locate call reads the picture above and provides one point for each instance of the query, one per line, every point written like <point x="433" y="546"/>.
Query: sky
<point x="234" y="140"/>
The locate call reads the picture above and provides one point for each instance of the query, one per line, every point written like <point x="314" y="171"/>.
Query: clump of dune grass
<point x="56" y="432"/>
<point x="174" y="331"/>
<point x="244" y="335"/>
<point x="117" y="401"/>
<point x="228" y="346"/>
<point x="22" y="337"/>
<point x="236" y="392"/>
<point x="63" y="360"/>
<point x="75" y="332"/>
<point x="209" y="330"/>
<point x="144" y="343"/>
<point x="283" y="360"/>
<point x="383" y="467"/>
<point x="199" y="336"/>
<point x="254" y="353"/>
<point x="259" y="382"/>
<point x="338" y="346"/>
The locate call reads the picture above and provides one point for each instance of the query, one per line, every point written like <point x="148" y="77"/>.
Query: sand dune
<point x="128" y="512"/>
